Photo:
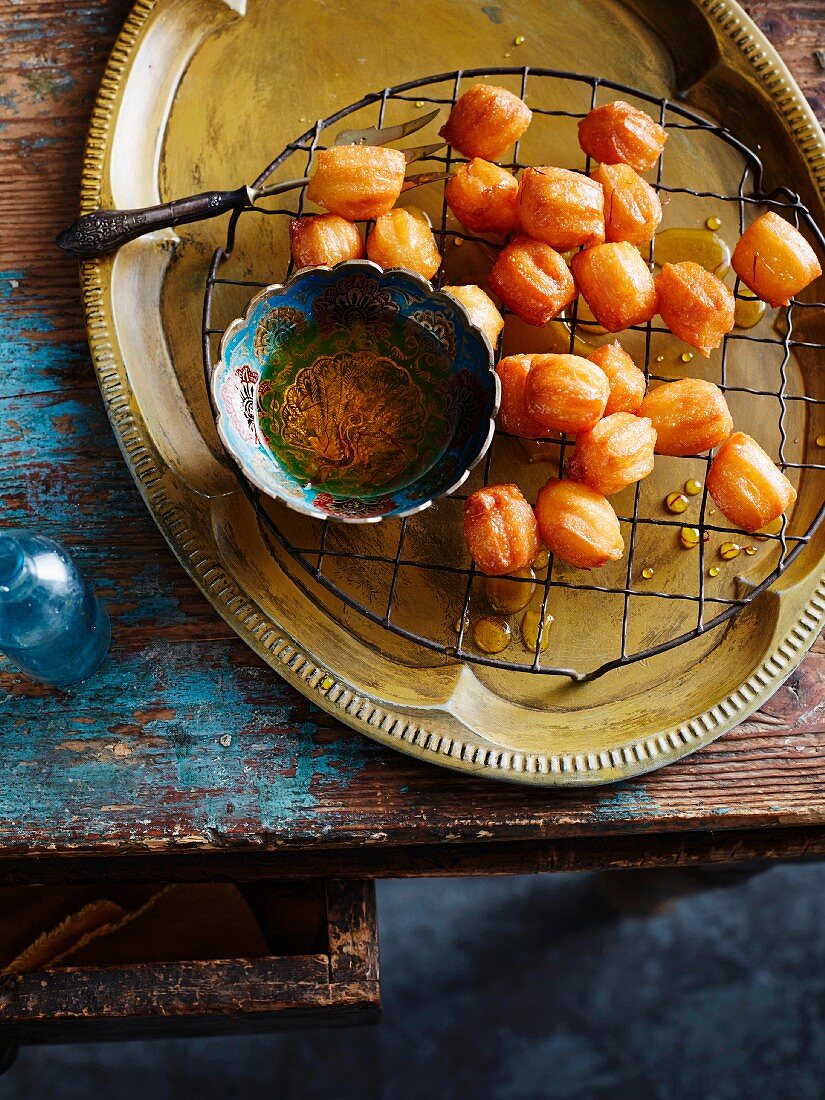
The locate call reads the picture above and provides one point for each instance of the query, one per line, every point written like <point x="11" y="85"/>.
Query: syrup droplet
<point x="693" y="487"/>
<point x="689" y="537"/>
<point x="506" y="595"/>
<point x="457" y="624"/>
<point x="419" y="103"/>
<point x="713" y="571"/>
<point x="699" y="245"/>
<point x="518" y="40"/>
<point x="660" y="358"/>
<point x="713" y="223"/>
<point x="676" y="502"/>
<point x="686" y="356"/>
<point x="458" y="241"/>
<point x="820" y="441"/>
<point x="748" y="310"/>
<point x="750" y="551"/>
<point x="729" y="550"/>
<point x="530" y="630"/>
<point x="491" y="635"/>
<point x="647" y="572"/>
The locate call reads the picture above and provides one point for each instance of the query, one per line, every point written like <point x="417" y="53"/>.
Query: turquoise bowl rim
<point x="254" y="473"/>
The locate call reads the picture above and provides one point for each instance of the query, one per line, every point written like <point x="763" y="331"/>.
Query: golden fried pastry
<point x="616" y="453"/>
<point x="565" y="393"/>
<point x="500" y="529"/>
<point x="632" y="210"/>
<point x="486" y="121"/>
<point x="324" y="239"/>
<point x="532" y="280"/>
<point x="400" y="239"/>
<point x="695" y="305"/>
<point x="513" y="416"/>
<point x="483" y="197"/>
<point x="617" y="133"/>
<point x="746" y="485"/>
<point x="690" y="416"/>
<point x="357" y="181"/>
<point x="616" y="283"/>
<point x="774" y="260"/>
<point x="562" y="208"/>
<point x="578" y="525"/>
<point x="627" y="382"/>
<point x="481" y="309"/>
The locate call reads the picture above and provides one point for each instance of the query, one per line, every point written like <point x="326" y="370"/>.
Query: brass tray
<point x="201" y="94"/>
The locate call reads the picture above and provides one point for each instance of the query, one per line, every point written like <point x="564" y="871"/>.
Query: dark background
<point x="526" y="987"/>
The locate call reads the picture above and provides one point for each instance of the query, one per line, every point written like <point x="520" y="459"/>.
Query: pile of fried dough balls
<point x="601" y="399"/>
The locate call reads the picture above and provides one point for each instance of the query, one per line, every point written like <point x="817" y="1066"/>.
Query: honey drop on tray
<point x="701" y="246"/>
<point x="491" y="635"/>
<point x="749" y="310"/>
<point x="530" y="630"/>
<point x="506" y="594"/>
<point x="676" y="502"/>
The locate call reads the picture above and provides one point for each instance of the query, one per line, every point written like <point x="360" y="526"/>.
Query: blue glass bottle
<point x="52" y="626"/>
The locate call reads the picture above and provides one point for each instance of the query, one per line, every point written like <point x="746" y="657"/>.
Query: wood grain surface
<point x="184" y="742"/>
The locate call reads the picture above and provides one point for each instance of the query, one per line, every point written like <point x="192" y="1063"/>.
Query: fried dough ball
<point x="481" y="309"/>
<point x="357" y="181"/>
<point x="500" y="529"/>
<point x="483" y="197"/>
<point x="486" y="121"/>
<point x="616" y="283"/>
<point x="616" y="453"/>
<point x="400" y="239"/>
<point x="618" y="133"/>
<point x="746" y="485"/>
<point x="565" y="393"/>
<point x="533" y="280"/>
<point x="513" y="416"/>
<point x="324" y="239"/>
<point x="632" y="210"/>
<point x="695" y="305"/>
<point x="562" y="208"/>
<point x="578" y="525"/>
<point x="627" y="382"/>
<point x="774" y="260"/>
<point x="690" y="416"/>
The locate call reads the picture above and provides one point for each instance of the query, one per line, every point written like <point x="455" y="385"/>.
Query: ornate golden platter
<point x="201" y="94"/>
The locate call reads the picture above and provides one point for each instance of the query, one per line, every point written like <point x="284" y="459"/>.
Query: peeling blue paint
<point x="628" y="800"/>
<point x="150" y="741"/>
<point x="28" y="362"/>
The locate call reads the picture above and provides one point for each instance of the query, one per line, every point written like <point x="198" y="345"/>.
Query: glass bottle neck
<point x="12" y="561"/>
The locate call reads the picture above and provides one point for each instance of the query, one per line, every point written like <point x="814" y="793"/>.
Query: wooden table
<point x="185" y="757"/>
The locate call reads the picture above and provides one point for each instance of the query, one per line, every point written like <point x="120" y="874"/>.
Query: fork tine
<point x="421" y="152"/>
<point x="374" y="135"/>
<point x="423" y="177"/>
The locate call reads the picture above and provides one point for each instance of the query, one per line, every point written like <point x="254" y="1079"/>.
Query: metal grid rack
<point x="673" y="116"/>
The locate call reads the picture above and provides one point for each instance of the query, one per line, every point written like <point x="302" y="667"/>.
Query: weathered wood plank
<point x="590" y="853"/>
<point x="181" y="998"/>
<point x="353" y="930"/>
<point x="198" y="745"/>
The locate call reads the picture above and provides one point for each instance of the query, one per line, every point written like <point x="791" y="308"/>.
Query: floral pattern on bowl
<point x="355" y="393"/>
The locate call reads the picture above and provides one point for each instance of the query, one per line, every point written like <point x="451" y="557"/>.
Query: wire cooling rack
<point x="329" y="561"/>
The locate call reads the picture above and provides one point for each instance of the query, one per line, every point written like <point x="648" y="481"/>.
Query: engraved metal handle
<point x="105" y="230"/>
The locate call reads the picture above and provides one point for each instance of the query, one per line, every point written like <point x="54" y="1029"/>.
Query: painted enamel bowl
<point x="355" y="393"/>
